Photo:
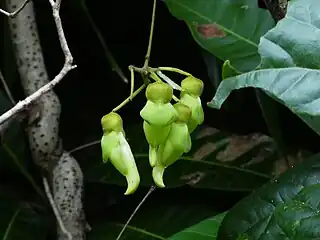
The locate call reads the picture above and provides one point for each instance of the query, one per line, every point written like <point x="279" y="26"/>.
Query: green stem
<point x="128" y="99"/>
<point x="146" y="62"/>
<point x="155" y="77"/>
<point x="175" y="98"/>
<point x="171" y="69"/>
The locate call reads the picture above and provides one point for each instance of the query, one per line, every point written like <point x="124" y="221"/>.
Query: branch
<point x="13" y="14"/>
<point x="21" y="105"/>
<point x="85" y="146"/>
<point x="275" y="9"/>
<point x="54" y="208"/>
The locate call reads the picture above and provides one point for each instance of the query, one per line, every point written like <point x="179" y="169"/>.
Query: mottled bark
<point x="43" y="130"/>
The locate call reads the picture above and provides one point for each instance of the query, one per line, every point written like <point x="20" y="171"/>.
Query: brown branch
<point x="13" y="14"/>
<point x="275" y="9"/>
<point x="21" y="105"/>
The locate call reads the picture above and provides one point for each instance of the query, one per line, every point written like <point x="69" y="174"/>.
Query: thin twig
<point x="135" y="211"/>
<point x="21" y="105"/>
<point x="6" y="234"/>
<point x="115" y="66"/>
<point x="85" y="146"/>
<point x="13" y="14"/>
<point x="147" y="58"/>
<point x="6" y="89"/>
<point x="4" y="127"/>
<point x="54" y="208"/>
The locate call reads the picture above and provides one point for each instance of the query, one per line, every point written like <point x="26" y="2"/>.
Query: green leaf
<point x="229" y="30"/>
<point x="205" y="230"/>
<point x="296" y="88"/>
<point x="285" y="46"/>
<point x="285" y="208"/>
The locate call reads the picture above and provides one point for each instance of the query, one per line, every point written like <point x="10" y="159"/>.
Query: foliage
<point x="285" y="208"/>
<point x="281" y="61"/>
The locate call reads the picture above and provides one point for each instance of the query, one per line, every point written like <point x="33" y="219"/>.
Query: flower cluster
<point x="167" y="130"/>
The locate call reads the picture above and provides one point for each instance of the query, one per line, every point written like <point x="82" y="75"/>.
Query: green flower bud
<point x="184" y="112"/>
<point x="112" y="122"/>
<point x="190" y="95"/>
<point x="177" y="143"/>
<point x="192" y="86"/>
<point x="159" y="92"/>
<point x="116" y="149"/>
<point x="158" y="115"/>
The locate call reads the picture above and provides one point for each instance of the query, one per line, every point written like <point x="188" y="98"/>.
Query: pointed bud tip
<point x="112" y="122"/>
<point x="184" y="112"/>
<point x="159" y="92"/>
<point x="192" y="85"/>
<point x="157" y="175"/>
<point x="133" y="182"/>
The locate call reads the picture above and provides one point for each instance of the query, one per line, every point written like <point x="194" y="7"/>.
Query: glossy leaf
<point x="205" y="230"/>
<point x="296" y="88"/>
<point x="294" y="40"/>
<point x="284" y="46"/>
<point x="222" y="28"/>
<point x="285" y="208"/>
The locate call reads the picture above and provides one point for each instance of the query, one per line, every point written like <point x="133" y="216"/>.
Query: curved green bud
<point x="190" y="95"/>
<point x="116" y="149"/>
<point x="192" y="86"/>
<point x="197" y="116"/>
<point x="158" y="115"/>
<point x="177" y="143"/>
<point x="159" y="92"/>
